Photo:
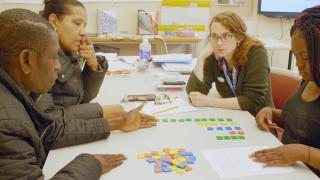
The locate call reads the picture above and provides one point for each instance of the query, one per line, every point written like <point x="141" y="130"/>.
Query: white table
<point x="187" y="135"/>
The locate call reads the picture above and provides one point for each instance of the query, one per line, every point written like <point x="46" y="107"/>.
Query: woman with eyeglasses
<point x="237" y="63"/>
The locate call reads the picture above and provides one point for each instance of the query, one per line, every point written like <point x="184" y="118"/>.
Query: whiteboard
<point x="40" y="1"/>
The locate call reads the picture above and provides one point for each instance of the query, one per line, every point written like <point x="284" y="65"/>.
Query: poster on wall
<point x="107" y="22"/>
<point x="231" y="2"/>
<point x="148" y="22"/>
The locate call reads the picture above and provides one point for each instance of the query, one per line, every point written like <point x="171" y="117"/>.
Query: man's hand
<point x="113" y="111"/>
<point x="135" y="120"/>
<point x="109" y="161"/>
<point x="118" y="119"/>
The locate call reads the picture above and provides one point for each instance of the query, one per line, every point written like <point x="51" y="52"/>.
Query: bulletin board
<point x="179" y="15"/>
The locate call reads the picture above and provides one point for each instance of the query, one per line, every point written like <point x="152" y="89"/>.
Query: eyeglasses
<point x="159" y="100"/>
<point x="163" y="99"/>
<point x="225" y="37"/>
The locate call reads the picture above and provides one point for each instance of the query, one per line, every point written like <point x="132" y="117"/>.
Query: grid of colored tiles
<point x="204" y="121"/>
<point x="226" y="129"/>
<point x="170" y="159"/>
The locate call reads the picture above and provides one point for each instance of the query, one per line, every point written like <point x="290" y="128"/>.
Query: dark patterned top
<point x="302" y="121"/>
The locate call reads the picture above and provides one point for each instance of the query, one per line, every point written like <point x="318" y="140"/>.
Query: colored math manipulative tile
<point x="197" y="119"/>
<point x="165" y="120"/>
<point x="181" y="120"/>
<point x="189" y="119"/>
<point x="169" y="160"/>
<point x="220" y="119"/>
<point x="204" y="119"/>
<point x="173" y="120"/>
<point x="178" y="120"/>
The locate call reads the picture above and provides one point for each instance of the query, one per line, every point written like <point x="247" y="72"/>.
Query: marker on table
<point x="164" y="110"/>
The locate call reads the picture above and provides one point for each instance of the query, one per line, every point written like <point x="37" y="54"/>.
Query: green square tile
<point x="197" y="120"/>
<point x="181" y="120"/>
<point x="173" y="120"/>
<point x="226" y="137"/>
<point x="165" y="120"/>
<point x="212" y="119"/>
<point x="204" y="119"/>
<point x="241" y="137"/>
<point x="219" y="137"/>
<point x="234" y="137"/>
<point x="228" y="119"/>
<point x="220" y="119"/>
<point x="189" y="120"/>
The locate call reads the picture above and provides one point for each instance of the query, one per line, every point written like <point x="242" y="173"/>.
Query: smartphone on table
<point x="141" y="97"/>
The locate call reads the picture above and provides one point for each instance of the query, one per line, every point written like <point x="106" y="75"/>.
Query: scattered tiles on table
<point x="169" y="160"/>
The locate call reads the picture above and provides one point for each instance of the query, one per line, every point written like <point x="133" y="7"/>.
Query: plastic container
<point x="145" y="50"/>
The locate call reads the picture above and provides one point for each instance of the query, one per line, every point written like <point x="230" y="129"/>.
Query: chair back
<point x="161" y="46"/>
<point x="284" y="84"/>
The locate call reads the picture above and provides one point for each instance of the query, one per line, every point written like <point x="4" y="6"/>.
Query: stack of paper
<point x="178" y="67"/>
<point x="118" y="66"/>
<point x="172" y="58"/>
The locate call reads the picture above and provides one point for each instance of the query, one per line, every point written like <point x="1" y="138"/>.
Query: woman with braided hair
<point x="301" y="113"/>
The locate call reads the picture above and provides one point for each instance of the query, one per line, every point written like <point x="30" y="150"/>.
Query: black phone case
<point x="173" y="83"/>
<point x="141" y="97"/>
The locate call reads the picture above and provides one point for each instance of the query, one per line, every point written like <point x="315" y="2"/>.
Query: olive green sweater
<point x="253" y="85"/>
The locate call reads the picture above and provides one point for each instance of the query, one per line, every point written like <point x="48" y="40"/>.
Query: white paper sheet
<point x="108" y="56"/>
<point x="129" y="59"/>
<point x="235" y="162"/>
<point x="178" y="67"/>
<point x="119" y="65"/>
<point x="177" y="106"/>
<point x="172" y="58"/>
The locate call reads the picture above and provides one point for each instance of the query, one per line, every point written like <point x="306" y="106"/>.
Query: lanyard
<point x="232" y="84"/>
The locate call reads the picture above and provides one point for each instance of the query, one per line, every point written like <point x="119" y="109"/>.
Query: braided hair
<point x="308" y="22"/>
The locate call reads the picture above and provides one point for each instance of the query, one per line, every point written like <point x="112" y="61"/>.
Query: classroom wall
<point x="127" y="20"/>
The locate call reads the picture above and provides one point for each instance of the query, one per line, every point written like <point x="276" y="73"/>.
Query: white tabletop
<point x="173" y="135"/>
